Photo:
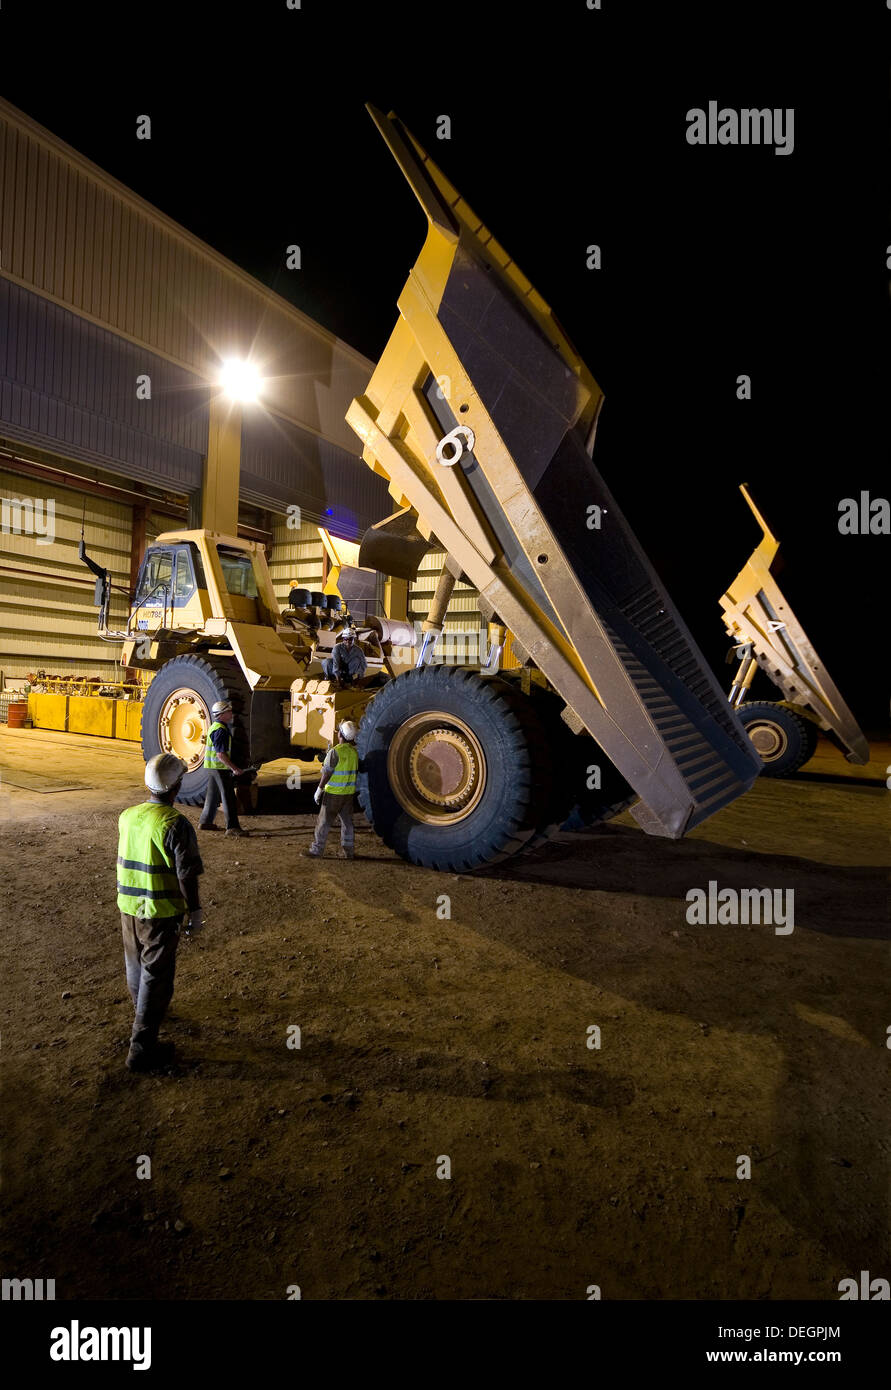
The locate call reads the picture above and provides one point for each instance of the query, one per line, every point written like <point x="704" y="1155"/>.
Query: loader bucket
<point x="757" y="612"/>
<point x="481" y="415"/>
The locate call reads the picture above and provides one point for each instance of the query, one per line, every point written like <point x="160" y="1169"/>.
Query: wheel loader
<point x="766" y="635"/>
<point x="481" y="417"/>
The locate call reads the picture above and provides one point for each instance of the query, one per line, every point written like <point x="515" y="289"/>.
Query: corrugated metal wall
<point x="296" y="559"/>
<point x="460" y="642"/>
<point x="158" y="522"/>
<point x="47" y="617"/>
<point x="76" y="235"/>
<point x="96" y="288"/>
<point x="282" y="465"/>
<point x="68" y="385"/>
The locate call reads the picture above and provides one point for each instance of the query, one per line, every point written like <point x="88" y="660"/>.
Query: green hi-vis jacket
<point x="147" y="881"/>
<point x="342" y="781"/>
<point x="210" y="753"/>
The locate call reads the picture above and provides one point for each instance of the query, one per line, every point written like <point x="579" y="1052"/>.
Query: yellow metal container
<point x="86" y="714"/>
<point x="91" y="714"/>
<point x="128" y="719"/>
<point x="48" y="711"/>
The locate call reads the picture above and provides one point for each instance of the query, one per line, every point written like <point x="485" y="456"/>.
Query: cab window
<point x="154" y="589"/>
<point x="183" y="578"/>
<point x="238" y="572"/>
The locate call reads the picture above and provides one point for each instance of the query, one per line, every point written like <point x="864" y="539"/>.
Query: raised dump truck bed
<point x="482" y="417"/>
<point x="767" y="635"/>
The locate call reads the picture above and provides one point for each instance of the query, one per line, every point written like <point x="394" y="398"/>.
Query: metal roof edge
<point x="53" y="142"/>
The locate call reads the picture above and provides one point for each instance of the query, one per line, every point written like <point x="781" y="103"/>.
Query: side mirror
<point x="102" y="591"/>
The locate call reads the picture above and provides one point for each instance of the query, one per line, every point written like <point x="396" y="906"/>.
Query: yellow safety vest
<point x="210" y="753"/>
<point x="147" y="882"/>
<point x="342" y="781"/>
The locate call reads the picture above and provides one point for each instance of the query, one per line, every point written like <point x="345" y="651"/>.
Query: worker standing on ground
<point x="221" y="771"/>
<point x="347" y="663"/>
<point x="335" y="792"/>
<point x="158" y="868"/>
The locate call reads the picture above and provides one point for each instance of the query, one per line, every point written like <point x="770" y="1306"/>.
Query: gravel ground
<point x="433" y="1043"/>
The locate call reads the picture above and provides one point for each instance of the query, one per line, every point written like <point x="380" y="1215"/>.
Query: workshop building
<point x="114" y="322"/>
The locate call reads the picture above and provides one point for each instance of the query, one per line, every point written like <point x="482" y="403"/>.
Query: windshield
<point x="156" y="574"/>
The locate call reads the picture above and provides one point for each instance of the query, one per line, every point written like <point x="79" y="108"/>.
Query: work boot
<point x="142" y="1059"/>
<point x="237" y="831"/>
<point x="310" y="853"/>
<point x="209" y="827"/>
<point x="345" y="854"/>
<point x="137" y="1058"/>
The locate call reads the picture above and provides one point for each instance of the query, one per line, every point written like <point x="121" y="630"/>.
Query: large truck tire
<point x="454" y="768"/>
<point x="176" y="715"/>
<point x="575" y="802"/>
<point x="595" y="804"/>
<point x="784" y="740"/>
<point x="812" y="733"/>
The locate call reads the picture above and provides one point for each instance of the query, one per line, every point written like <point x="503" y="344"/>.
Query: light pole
<point x="240" y="382"/>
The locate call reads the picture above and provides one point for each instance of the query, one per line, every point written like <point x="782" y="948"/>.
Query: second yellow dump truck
<point x="767" y="636"/>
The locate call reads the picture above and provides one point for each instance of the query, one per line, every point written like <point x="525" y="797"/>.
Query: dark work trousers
<point x="220" y="787"/>
<point x="333" y="806"/>
<point x="150" y="961"/>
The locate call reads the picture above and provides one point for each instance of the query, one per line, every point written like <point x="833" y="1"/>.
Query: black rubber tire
<point x="594" y="806"/>
<point x="813" y="737"/>
<point x="519" y="778"/>
<point x="799" y="745"/>
<point x="561" y="753"/>
<point x="213" y="678"/>
<point x="572" y="805"/>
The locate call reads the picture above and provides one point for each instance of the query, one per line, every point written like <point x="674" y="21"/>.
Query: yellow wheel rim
<point x="437" y="768"/>
<point x="183" y="725"/>
<point x="769" y="739"/>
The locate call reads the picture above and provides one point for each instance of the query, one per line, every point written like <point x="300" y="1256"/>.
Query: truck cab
<point x="190" y="579"/>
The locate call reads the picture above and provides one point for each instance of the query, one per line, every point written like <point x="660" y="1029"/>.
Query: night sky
<point x="568" y="128"/>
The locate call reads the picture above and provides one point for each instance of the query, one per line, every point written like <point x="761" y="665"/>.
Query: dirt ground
<point x="426" y="1037"/>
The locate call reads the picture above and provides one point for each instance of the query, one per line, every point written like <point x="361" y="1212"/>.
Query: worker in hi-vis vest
<point x="335" y="792"/>
<point x="158" y="868"/>
<point x="221" y="771"/>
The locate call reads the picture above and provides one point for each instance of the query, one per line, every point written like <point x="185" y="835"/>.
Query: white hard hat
<point x="221" y="706"/>
<point x="347" y="632"/>
<point x="164" y="771"/>
<point x="348" y="731"/>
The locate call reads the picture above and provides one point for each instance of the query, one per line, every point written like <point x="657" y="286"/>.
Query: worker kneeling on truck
<point x="158" y="868"/>
<point x="347" y="663"/>
<point x="335" y="792"/>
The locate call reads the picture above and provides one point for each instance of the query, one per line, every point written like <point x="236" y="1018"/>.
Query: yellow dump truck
<point x="767" y="636"/>
<point x="481" y="417"/>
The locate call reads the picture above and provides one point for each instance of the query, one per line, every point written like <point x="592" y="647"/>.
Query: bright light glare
<point x="240" y="380"/>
